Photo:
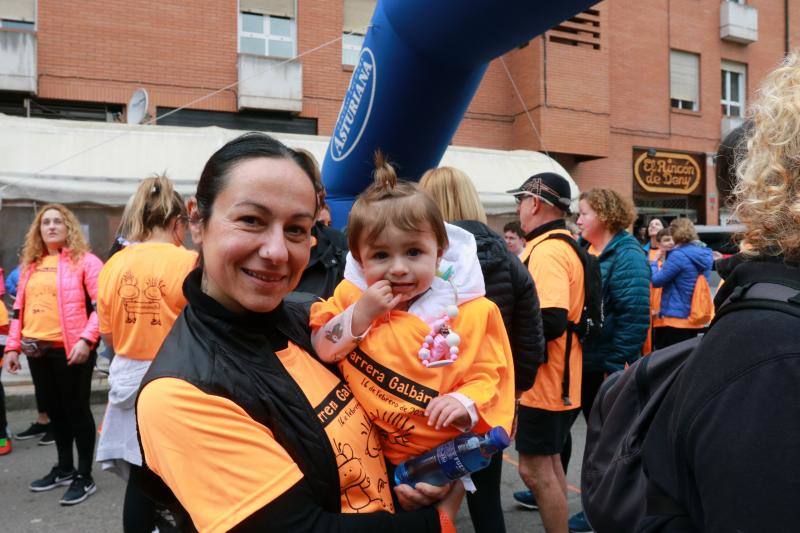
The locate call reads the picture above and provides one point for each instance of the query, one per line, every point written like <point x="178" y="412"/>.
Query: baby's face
<point x="408" y="260"/>
<point x="666" y="243"/>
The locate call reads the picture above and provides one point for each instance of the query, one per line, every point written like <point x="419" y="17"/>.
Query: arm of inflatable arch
<point x="420" y="66"/>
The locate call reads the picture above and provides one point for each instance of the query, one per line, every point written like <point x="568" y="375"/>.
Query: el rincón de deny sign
<point x="659" y="171"/>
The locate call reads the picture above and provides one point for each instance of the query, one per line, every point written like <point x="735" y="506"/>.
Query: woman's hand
<point x="445" y="410"/>
<point x="79" y="354"/>
<point x="423" y="495"/>
<point x="11" y="362"/>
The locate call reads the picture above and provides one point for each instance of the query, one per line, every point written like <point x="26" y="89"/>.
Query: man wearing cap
<point x="547" y="410"/>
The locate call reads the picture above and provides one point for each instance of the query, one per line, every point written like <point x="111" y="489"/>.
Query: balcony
<point x="738" y="23"/>
<point x="270" y="83"/>
<point x="728" y="124"/>
<point x="17" y="61"/>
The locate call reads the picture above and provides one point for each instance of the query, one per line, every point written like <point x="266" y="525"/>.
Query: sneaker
<point x="49" y="438"/>
<point x="82" y="487"/>
<point x="36" y="430"/>
<point x="526" y="499"/>
<point x="5" y="446"/>
<point x="55" y="478"/>
<point x="579" y="524"/>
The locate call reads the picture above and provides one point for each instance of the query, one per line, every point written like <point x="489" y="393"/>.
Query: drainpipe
<point x="787" y="44"/>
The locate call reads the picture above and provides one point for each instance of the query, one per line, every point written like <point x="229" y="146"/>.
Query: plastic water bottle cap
<point x="498" y="438"/>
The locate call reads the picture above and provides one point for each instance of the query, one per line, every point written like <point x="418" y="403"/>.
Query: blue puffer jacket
<point x="626" y="290"/>
<point x="678" y="275"/>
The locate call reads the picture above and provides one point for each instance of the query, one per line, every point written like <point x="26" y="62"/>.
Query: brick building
<point x="626" y="94"/>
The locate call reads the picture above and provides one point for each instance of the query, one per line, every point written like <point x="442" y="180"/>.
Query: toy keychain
<point x="440" y="347"/>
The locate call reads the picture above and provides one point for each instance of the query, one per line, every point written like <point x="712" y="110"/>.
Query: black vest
<point x="233" y="356"/>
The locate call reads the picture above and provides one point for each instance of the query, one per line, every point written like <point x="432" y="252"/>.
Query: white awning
<point x="96" y="162"/>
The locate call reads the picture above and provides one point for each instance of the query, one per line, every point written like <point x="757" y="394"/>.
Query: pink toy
<point x="441" y="345"/>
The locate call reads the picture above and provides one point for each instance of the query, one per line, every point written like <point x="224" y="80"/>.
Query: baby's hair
<point x="392" y="202"/>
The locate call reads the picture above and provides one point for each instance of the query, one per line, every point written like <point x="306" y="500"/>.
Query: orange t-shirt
<point x="558" y="273"/>
<point x="389" y="380"/>
<point x="40" y="318"/>
<point x="141" y="294"/>
<point x="223" y="466"/>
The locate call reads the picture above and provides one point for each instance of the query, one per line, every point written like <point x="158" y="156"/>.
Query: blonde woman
<point x="724" y="446"/>
<point x="141" y="296"/>
<point x="511" y="288"/>
<point x="54" y="327"/>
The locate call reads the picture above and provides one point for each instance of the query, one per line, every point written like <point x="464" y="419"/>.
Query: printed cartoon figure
<point x="373" y="438"/>
<point x="356" y="485"/>
<point x="151" y="304"/>
<point x="401" y="424"/>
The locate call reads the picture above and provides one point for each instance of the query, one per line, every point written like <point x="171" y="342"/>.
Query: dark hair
<point x="392" y="202"/>
<point x="516" y="227"/>
<point x="248" y="146"/>
<point x="664" y="232"/>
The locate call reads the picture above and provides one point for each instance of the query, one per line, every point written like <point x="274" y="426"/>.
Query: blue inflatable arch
<point x="419" y="68"/>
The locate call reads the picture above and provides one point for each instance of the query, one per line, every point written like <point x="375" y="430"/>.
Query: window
<point x="357" y="16"/>
<point x="266" y="35"/>
<point x="684" y="80"/>
<point x="733" y="88"/>
<point x="17" y="25"/>
<point x="351" y="46"/>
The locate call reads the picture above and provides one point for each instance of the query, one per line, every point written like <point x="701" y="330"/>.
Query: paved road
<point x="25" y="511"/>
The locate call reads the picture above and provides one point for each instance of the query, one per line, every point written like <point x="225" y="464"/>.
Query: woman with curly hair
<point x="678" y="275"/>
<point x="723" y="448"/>
<point x="604" y="215"/>
<point x="56" y="326"/>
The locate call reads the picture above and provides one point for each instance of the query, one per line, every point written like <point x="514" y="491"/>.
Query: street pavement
<point x="25" y="511"/>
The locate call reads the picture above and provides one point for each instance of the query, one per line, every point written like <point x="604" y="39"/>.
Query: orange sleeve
<point x="220" y="463"/>
<point x="490" y="382"/>
<point x="343" y="297"/>
<point x="549" y="268"/>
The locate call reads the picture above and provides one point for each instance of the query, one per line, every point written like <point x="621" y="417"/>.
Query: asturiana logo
<point x="356" y="107"/>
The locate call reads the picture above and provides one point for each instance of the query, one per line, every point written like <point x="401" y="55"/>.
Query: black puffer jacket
<point x="510" y="287"/>
<point x="325" y="267"/>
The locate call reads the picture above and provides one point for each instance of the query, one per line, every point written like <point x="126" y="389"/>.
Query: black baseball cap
<point x="550" y="187"/>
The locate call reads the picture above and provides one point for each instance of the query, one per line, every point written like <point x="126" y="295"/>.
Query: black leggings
<point x="484" y="505"/>
<point x="667" y="336"/>
<point x="67" y="394"/>
<point x="590" y="385"/>
<point x="139" y="511"/>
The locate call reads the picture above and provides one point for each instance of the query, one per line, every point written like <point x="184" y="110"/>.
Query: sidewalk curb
<point x="26" y="400"/>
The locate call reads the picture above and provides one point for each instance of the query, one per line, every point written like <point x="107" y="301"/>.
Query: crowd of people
<point x="275" y="378"/>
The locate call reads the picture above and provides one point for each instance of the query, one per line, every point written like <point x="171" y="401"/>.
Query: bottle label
<point x="449" y="461"/>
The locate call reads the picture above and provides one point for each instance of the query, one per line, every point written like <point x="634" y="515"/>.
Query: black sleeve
<point x="555" y="322"/>
<point x="527" y="333"/>
<point x="296" y="512"/>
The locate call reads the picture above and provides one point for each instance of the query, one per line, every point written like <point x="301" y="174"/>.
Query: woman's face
<point x="53" y="229"/>
<point x="589" y="223"/>
<point x="654" y="227"/>
<point x="256" y="242"/>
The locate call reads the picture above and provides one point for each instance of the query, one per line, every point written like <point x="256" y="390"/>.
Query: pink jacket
<point x="73" y="283"/>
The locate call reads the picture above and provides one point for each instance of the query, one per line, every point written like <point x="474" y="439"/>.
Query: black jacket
<point x="233" y="356"/>
<point x="510" y="286"/>
<point x="325" y="267"/>
<point x="725" y="444"/>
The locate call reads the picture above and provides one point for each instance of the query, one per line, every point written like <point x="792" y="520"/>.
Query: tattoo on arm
<point x="334" y="333"/>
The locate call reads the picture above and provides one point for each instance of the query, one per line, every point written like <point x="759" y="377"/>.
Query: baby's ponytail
<point x="384" y="174"/>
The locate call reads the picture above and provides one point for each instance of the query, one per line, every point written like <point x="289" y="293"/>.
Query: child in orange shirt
<point x="423" y="352"/>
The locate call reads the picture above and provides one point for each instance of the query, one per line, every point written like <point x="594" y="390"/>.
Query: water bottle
<point x="453" y="459"/>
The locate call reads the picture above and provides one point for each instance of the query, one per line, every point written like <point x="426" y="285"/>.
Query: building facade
<point x="632" y="95"/>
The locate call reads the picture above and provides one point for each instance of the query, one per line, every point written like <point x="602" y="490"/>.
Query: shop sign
<point x="667" y="172"/>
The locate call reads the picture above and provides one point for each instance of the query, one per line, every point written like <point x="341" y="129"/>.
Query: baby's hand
<point x="376" y="301"/>
<point x="445" y="410"/>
